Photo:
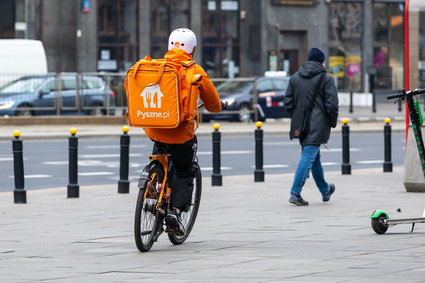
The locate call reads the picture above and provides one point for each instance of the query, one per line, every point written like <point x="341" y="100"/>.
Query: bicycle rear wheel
<point x="148" y="221"/>
<point x="188" y="217"/>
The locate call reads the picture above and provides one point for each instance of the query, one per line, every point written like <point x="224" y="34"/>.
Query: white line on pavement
<point x="112" y="146"/>
<point x="106" y="155"/>
<point x="35" y="176"/>
<point x="95" y="173"/>
<point x="370" y="161"/>
<point x="210" y="168"/>
<point x="226" y="152"/>
<point x="273" y="166"/>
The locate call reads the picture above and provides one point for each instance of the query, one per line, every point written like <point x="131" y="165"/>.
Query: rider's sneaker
<point x="327" y="197"/>
<point x="173" y="222"/>
<point x="298" y="200"/>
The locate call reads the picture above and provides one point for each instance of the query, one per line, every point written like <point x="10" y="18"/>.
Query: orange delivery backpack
<point x="160" y="94"/>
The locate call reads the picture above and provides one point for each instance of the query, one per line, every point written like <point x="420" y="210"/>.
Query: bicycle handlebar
<point x="402" y="94"/>
<point x="223" y="105"/>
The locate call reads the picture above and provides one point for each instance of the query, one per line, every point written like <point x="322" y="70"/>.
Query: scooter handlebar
<point x="402" y="94"/>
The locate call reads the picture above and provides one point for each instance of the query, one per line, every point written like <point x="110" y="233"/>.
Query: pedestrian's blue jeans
<point x="310" y="159"/>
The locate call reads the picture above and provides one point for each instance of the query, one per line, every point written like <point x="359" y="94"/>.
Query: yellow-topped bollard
<point x="387" y="121"/>
<point x="345" y="121"/>
<point x="125" y="129"/>
<point x="16" y="134"/>
<point x="259" y="124"/>
<point x="73" y="131"/>
<point x="216" y="126"/>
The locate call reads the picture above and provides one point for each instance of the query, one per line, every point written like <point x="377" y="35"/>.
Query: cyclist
<point x="181" y="142"/>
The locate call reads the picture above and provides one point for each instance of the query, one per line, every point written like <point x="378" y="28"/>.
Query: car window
<point x="265" y="86"/>
<point x="69" y="84"/>
<point x="234" y="86"/>
<point x="92" y="83"/>
<point x="50" y="85"/>
<point x="22" y="85"/>
<point x="281" y="85"/>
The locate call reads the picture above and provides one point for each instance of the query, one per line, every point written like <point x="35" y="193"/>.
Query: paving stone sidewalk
<point x="245" y="232"/>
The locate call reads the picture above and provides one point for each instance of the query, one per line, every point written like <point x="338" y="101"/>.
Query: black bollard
<point x="351" y="102"/>
<point x="124" y="183"/>
<point x="216" y="177"/>
<point x="388" y="165"/>
<point x="345" y="167"/>
<point x="19" y="194"/>
<point x="259" y="172"/>
<point x="73" y="187"/>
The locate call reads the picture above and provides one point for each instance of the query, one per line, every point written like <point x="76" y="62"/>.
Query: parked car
<point x="50" y="94"/>
<point x="239" y="96"/>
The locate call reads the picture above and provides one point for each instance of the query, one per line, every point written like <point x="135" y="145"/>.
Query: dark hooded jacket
<point x="325" y="110"/>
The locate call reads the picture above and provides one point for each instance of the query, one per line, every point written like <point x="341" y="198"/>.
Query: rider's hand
<point x="224" y="105"/>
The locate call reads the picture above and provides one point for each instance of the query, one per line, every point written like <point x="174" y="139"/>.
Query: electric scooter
<point x="380" y="220"/>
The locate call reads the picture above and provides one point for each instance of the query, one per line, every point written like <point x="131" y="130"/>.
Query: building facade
<point x="236" y="38"/>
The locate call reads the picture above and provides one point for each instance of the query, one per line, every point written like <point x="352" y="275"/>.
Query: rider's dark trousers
<point x="182" y="171"/>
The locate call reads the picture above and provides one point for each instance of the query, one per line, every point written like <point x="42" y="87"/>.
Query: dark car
<point x="239" y="96"/>
<point x="50" y="94"/>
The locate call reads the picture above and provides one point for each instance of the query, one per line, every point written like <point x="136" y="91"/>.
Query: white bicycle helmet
<point x="182" y="38"/>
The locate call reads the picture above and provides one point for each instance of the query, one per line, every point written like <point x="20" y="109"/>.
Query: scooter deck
<point x="405" y="220"/>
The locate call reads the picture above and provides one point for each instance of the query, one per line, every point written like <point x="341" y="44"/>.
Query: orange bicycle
<point x="153" y="203"/>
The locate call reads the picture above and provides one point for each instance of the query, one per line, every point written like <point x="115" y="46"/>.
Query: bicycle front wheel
<point x="188" y="217"/>
<point x="148" y="221"/>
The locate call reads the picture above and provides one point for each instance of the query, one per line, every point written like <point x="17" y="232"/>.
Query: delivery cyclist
<point x="181" y="142"/>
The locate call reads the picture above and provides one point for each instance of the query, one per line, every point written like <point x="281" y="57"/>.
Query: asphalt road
<point x="46" y="162"/>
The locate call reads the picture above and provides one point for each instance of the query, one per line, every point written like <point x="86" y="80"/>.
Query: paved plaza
<point x="245" y="232"/>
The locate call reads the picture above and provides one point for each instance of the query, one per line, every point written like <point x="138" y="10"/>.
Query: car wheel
<point x="24" y="112"/>
<point x="244" y="114"/>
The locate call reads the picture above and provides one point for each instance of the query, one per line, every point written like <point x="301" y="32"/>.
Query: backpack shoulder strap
<point x="316" y="90"/>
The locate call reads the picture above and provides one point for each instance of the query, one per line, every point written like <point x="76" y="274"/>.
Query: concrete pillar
<point x="144" y="28"/>
<point x="414" y="180"/>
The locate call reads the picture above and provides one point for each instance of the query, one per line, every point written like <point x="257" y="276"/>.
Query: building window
<point x="167" y="15"/>
<point x="7" y="19"/>
<point x="345" y="44"/>
<point x="388" y="45"/>
<point x="220" y="37"/>
<point x="117" y="34"/>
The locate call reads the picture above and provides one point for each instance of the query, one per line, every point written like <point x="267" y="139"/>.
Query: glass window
<point x="167" y="15"/>
<point x="265" y="86"/>
<point x="388" y="45"/>
<point x="220" y="37"/>
<point x="281" y="85"/>
<point x="92" y="83"/>
<point x="69" y="84"/>
<point x="7" y="19"/>
<point x="345" y="44"/>
<point x="117" y="34"/>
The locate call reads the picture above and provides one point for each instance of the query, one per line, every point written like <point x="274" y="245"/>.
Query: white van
<point x="20" y="57"/>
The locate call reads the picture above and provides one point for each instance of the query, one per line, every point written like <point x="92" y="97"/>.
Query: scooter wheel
<point x="379" y="225"/>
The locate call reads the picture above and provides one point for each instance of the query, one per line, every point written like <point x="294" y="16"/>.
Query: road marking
<point x="338" y="150"/>
<point x="112" y="146"/>
<point x="329" y="163"/>
<point x="273" y="166"/>
<point x="6" y="159"/>
<point x="96" y="173"/>
<point x="281" y="143"/>
<point x="226" y="152"/>
<point x="210" y="168"/>
<point x="107" y="155"/>
<point x="35" y="176"/>
<point x="370" y="161"/>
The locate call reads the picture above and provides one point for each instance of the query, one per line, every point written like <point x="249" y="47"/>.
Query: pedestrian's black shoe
<point x="298" y="200"/>
<point x="327" y="197"/>
<point x="174" y="224"/>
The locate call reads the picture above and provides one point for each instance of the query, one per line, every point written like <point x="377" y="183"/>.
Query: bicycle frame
<point x="165" y="191"/>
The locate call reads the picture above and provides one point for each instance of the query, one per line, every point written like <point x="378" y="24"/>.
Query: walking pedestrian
<point x="312" y="102"/>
